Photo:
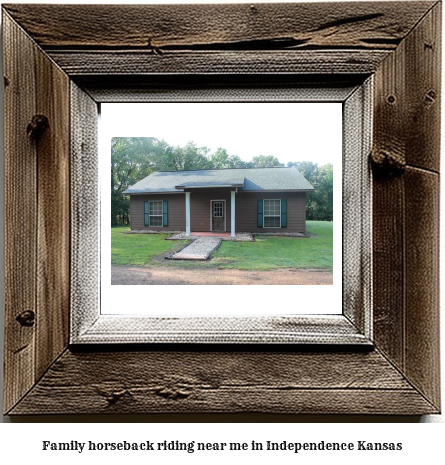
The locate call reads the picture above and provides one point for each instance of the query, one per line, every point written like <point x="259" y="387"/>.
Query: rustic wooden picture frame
<point x="75" y="56"/>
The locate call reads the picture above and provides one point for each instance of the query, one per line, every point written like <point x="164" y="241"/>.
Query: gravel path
<point x="200" y="249"/>
<point x="135" y="275"/>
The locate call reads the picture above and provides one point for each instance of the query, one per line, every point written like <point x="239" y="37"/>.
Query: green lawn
<point x="270" y="252"/>
<point x="266" y="253"/>
<point x="138" y="249"/>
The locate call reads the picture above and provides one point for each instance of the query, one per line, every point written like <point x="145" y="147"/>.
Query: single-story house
<point x="235" y="200"/>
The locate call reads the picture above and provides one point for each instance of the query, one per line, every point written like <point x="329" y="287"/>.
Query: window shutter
<point x="284" y="213"/>
<point x="260" y="213"/>
<point x="165" y="213"/>
<point x="146" y="213"/>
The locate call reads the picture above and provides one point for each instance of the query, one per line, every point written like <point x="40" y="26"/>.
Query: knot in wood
<point x="385" y="162"/>
<point x="37" y="126"/>
<point x="26" y="318"/>
<point x="172" y="393"/>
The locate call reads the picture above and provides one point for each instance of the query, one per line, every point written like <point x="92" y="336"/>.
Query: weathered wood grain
<point x="422" y="364"/>
<point x="109" y="329"/>
<point x="219" y="381"/>
<point x="406" y="132"/>
<point x="357" y="209"/>
<point x="388" y="268"/>
<point x="260" y="26"/>
<point x="37" y="192"/>
<point x="99" y="63"/>
<point x="219" y="87"/>
<point x="53" y="224"/>
<point x="423" y="91"/>
<point x="389" y="144"/>
<point x="20" y="213"/>
<point x="84" y="205"/>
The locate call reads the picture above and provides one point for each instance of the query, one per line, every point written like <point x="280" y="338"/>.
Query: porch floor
<point x="211" y="234"/>
<point x="224" y="236"/>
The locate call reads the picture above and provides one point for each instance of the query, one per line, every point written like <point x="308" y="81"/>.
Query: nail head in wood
<point x="26" y="318"/>
<point x="430" y="97"/>
<point x="37" y="126"/>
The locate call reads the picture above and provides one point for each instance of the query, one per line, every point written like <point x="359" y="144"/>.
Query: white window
<point x="272" y="213"/>
<point x="218" y="209"/>
<point x="155" y="214"/>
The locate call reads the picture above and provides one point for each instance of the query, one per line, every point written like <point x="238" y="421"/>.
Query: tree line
<point x="134" y="158"/>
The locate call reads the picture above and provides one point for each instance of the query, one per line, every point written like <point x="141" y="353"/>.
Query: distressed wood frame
<point x="77" y="56"/>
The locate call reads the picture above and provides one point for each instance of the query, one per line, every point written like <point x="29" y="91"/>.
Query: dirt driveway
<point x="134" y="275"/>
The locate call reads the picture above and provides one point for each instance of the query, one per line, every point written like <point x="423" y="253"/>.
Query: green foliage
<point x="221" y="159"/>
<point x="132" y="159"/>
<point x="265" y="161"/>
<point x="319" y="204"/>
<point x="189" y="157"/>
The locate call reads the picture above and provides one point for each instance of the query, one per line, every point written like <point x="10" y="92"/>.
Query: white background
<point x="21" y="442"/>
<point x="288" y="131"/>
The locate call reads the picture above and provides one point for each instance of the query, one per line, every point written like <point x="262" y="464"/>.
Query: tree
<point x="306" y="168"/>
<point x="221" y="159"/>
<point x="323" y="195"/>
<point x="190" y="157"/>
<point x="265" y="161"/>
<point x="132" y="159"/>
<point x="319" y="204"/>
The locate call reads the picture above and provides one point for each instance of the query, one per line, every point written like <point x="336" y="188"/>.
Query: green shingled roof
<point x="246" y="179"/>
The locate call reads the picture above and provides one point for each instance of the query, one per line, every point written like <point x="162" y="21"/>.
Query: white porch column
<point x="187" y="213"/>
<point x="232" y="213"/>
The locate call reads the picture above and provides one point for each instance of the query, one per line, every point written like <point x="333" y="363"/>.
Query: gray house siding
<point x="200" y="209"/>
<point x="176" y="211"/>
<point x="245" y="207"/>
<point x="246" y="211"/>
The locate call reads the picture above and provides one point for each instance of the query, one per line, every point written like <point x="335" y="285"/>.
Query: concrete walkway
<point x="199" y="249"/>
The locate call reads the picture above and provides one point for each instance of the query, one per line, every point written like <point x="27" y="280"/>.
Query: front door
<point x="218" y="215"/>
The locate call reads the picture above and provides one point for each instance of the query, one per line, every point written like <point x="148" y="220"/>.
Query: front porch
<point x="221" y="209"/>
<point x="211" y="234"/>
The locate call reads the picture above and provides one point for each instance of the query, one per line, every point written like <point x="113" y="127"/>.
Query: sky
<point x="289" y="131"/>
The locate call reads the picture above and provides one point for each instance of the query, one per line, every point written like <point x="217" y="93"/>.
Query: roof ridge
<point x="223" y="169"/>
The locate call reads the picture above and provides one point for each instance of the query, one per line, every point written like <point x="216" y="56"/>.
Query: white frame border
<point x="354" y="326"/>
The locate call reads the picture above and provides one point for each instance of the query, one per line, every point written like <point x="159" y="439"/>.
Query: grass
<point x="266" y="253"/>
<point x="138" y="249"/>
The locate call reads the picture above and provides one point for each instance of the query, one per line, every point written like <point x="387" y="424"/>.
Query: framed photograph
<point x="366" y="344"/>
